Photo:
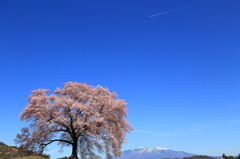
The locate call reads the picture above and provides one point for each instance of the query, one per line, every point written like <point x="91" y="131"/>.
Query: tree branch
<point x="60" y="140"/>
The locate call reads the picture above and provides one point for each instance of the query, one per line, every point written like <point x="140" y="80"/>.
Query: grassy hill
<point x="7" y="152"/>
<point x="11" y="152"/>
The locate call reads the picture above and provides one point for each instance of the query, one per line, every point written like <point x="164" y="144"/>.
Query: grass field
<point x="31" y="157"/>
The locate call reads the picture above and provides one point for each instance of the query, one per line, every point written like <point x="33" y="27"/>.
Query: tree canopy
<point x="89" y="119"/>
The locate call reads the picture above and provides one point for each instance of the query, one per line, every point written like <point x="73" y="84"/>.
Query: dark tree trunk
<point x="74" y="150"/>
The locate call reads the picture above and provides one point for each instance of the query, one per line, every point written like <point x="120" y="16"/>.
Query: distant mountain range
<point x="153" y="153"/>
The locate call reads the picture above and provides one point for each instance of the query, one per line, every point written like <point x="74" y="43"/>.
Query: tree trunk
<point x="74" y="150"/>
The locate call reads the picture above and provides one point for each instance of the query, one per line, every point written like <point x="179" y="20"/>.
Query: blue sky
<point x="178" y="71"/>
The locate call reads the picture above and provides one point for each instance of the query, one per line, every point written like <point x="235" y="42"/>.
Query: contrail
<point x="191" y="5"/>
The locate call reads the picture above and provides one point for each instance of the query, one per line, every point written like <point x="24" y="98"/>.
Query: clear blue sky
<point x="179" y="71"/>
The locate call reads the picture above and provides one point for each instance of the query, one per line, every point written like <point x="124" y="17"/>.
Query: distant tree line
<point x="230" y="157"/>
<point x="207" y="157"/>
<point x="199" y="157"/>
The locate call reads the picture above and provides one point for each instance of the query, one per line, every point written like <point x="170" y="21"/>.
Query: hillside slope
<point x="11" y="152"/>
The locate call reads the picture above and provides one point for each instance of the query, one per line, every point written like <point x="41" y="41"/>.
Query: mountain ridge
<point x="153" y="153"/>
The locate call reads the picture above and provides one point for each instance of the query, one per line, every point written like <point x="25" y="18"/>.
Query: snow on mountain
<point x="160" y="148"/>
<point x="153" y="153"/>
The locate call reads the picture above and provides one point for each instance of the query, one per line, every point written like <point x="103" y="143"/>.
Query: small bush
<point x="45" y="156"/>
<point x="63" y="158"/>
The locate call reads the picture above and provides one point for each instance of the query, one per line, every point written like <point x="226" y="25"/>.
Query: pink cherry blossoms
<point x="89" y="119"/>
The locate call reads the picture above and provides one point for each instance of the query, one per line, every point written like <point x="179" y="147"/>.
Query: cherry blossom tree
<point x="89" y="119"/>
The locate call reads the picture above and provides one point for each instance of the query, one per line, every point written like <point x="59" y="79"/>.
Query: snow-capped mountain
<point x="153" y="153"/>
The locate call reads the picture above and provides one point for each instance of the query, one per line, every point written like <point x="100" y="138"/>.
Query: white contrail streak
<point x="191" y="5"/>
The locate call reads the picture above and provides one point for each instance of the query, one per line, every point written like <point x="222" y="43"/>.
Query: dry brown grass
<point x="31" y="157"/>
